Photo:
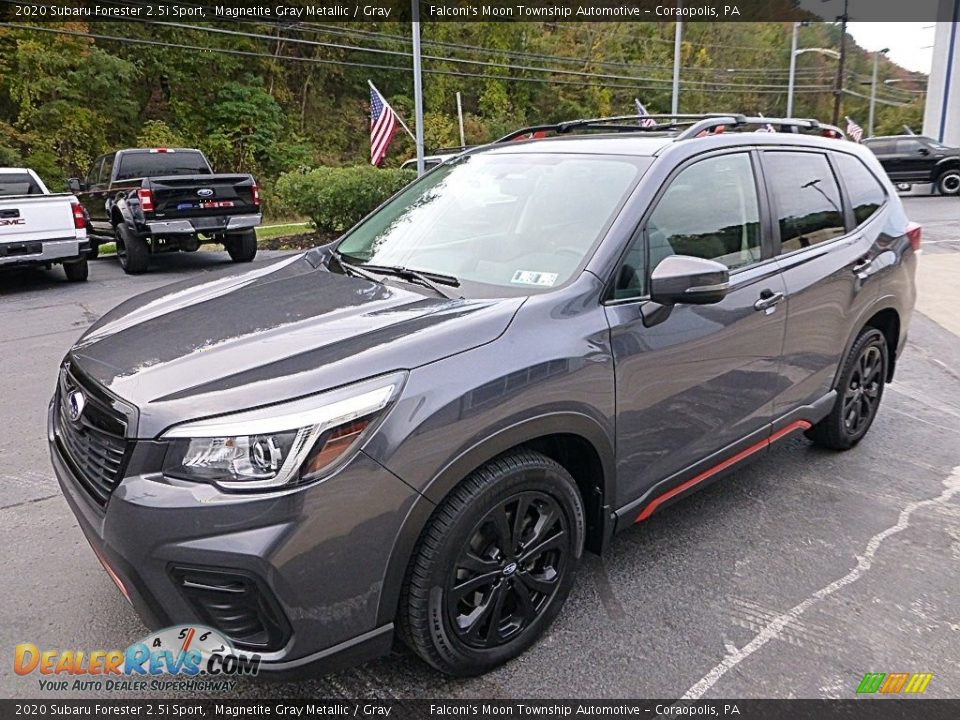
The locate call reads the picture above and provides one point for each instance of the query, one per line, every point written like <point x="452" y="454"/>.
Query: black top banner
<point x="294" y="11"/>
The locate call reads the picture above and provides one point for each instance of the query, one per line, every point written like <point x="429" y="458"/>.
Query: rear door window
<point x="806" y="198"/>
<point x="864" y="190"/>
<point x="909" y="147"/>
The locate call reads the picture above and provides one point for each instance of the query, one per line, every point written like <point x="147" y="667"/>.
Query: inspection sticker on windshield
<point x="531" y="277"/>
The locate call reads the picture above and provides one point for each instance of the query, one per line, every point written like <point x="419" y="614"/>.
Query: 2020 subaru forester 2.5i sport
<point x="417" y="431"/>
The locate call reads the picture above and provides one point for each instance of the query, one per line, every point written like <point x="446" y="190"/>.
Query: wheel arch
<point x="886" y="318"/>
<point x="575" y="440"/>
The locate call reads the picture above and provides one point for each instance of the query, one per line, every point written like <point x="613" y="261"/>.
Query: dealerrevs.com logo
<point x="191" y="657"/>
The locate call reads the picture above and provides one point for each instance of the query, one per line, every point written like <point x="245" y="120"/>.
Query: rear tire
<point x="76" y="271"/>
<point x="494" y="565"/>
<point x="859" y="391"/>
<point x="242" y="246"/>
<point x="133" y="252"/>
<point x="948" y="183"/>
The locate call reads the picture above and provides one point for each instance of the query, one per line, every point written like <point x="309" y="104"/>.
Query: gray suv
<point x="417" y="430"/>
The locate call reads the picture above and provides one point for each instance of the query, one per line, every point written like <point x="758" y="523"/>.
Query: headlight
<point x="279" y="445"/>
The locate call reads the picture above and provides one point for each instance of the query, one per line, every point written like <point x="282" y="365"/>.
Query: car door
<point x="828" y="267"/>
<point x="89" y="183"/>
<point x="912" y="161"/>
<point x="694" y="380"/>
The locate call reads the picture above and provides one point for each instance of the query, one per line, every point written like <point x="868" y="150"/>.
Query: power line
<point x="347" y="63"/>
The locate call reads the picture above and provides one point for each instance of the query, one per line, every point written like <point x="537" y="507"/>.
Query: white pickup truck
<point x="38" y="227"/>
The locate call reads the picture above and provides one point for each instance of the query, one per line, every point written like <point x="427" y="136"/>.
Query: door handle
<point x="768" y="299"/>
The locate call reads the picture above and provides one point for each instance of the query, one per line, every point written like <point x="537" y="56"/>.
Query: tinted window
<point x="806" y="197"/>
<point x="881" y="147"/>
<point x="94" y="174"/>
<point x="18" y="184"/>
<point x="709" y="211"/>
<point x="909" y="147"/>
<point x="158" y="164"/>
<point x="106" y="170"/>
<point x="865" y="191"/>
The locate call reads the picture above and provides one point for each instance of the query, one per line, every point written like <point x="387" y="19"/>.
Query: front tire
<point x="948" y="183"/>
<point x="242" y="246"/>
<point x="76" y="271"/>
<point x="494" y="565"/>
<point x="133" y="252"/>
<point x="859" y="391"/>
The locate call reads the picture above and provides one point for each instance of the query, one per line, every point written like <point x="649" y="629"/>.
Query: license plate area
<point x="16" y="249"/>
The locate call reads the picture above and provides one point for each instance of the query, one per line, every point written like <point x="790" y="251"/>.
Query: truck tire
<point x="948" y="182"/>
<point x="76" y="271"/>
<point x="242" y="246"/>
<point x="133" y="252"/>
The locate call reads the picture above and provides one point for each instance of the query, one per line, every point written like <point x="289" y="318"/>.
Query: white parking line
<point x="775" y="627"/>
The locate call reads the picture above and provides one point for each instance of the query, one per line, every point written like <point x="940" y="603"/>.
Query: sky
<point x="909" y="42"/>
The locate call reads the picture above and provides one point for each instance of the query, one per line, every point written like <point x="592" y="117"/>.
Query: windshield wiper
<point x="427" y="279"/>
<point x="358" y="271"/>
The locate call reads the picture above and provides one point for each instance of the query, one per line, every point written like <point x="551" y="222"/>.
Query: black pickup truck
<point x="157" y="200"/>
<point x="915" y="159"/>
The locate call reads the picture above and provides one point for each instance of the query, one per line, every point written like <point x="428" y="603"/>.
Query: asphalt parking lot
<point x="791" y="578"/>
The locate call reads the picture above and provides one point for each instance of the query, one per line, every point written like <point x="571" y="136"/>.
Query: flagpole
<point x="399" y="119"/>
<point x="417" y="85"/>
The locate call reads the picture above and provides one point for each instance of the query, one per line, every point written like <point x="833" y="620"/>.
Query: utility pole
<point x="793" y="69"/>
<point x="417" y="85"/>
<point x="838" y="89"/>
<point x="873" y="90"/>
<point x="677" y="46"/>
<point x="463" y="141"/>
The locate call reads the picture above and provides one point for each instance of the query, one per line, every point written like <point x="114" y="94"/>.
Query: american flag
<point x="854" y="131"/>
<point x="645" y="120"/>
<point x="383" y="126"/>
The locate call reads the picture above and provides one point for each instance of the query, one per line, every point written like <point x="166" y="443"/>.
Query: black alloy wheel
<point x="862" y="394"/>
<point x="859" y="391"/>
<point x="508" y="571"/>
<point x="494" y="564"/>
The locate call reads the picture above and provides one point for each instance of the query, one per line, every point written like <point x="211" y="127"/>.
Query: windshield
<point x="159" y="164"/>
<point x="520" y="221"/>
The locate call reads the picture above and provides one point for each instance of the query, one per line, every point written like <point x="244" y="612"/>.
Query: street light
<point x="873" y="89"/>
<point x="793" y="64"/>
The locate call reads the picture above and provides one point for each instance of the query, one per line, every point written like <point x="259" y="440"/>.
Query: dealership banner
<point x="888" y="709"/>
<point x="476" y="10"/>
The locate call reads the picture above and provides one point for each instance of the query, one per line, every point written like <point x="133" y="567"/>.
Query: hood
<point x="293" y="328"/>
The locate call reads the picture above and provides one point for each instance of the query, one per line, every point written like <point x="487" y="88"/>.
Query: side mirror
<point x="923" y="151"/>
<point x="688" y="280"/>
<point x="75" y="185"/>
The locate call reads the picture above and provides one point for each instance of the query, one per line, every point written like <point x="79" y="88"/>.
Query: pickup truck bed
<point x="39" y="227"/>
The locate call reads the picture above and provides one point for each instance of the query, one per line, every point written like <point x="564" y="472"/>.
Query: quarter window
<point x="806" y="198"/>
<point x="865" y="191"/>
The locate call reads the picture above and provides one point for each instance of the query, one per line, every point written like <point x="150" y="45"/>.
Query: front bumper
<point x="41" y="251"/>
<point x="321" y="551"/>
<point x="206" y="225"/>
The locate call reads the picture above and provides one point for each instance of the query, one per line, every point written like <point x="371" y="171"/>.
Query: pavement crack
<point x="29" y="502"/>
<point x="775" y="627"/>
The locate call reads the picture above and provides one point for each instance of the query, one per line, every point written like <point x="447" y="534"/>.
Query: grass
<point x="263" y="233"/>
<point x="273" y="231"/>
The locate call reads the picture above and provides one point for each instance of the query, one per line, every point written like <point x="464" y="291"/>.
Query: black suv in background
<point x="157" y="200"/>
<point x="915" y="159"/>
<point x="419" y="428"/>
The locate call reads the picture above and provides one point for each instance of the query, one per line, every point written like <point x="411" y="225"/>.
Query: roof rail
<point x="692" y="124"/>
<point x="791" y="125"/>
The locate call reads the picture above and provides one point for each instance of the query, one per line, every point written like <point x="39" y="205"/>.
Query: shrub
<point x="337" y="198"/>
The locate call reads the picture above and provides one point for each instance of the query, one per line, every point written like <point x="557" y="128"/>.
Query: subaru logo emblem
<point x="509" y="569"/>
<point x="76" y="401"/>
<point x="205" y="192"/>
